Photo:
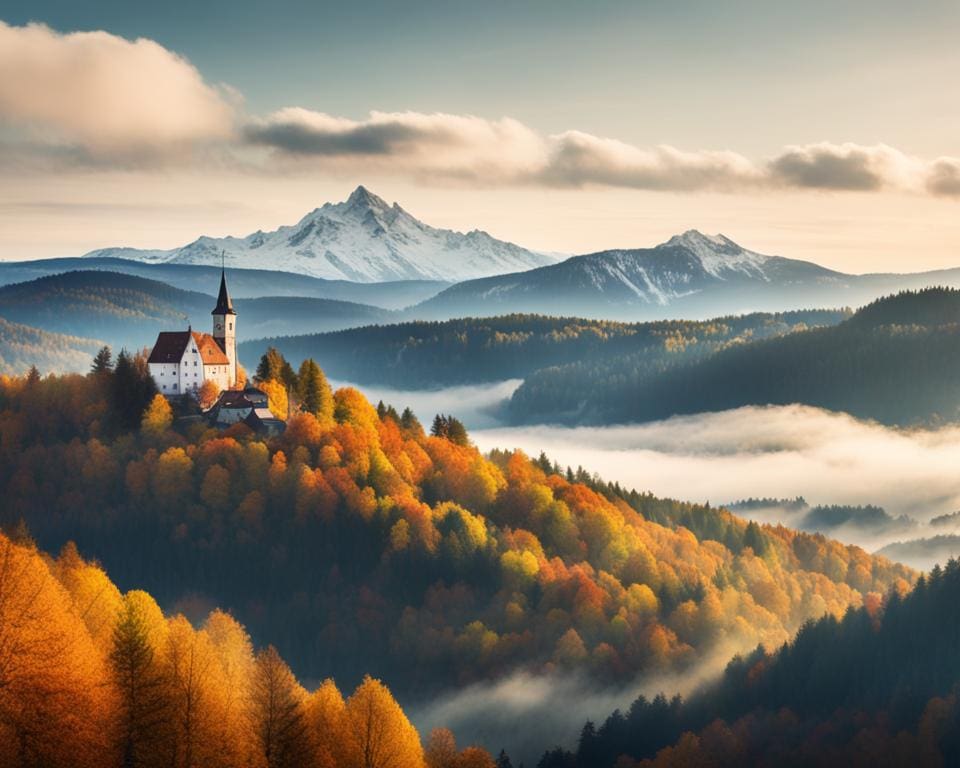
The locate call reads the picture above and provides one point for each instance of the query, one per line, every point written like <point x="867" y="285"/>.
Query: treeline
<point x="107" y="305"/>
<point x="896" y="360"/>
<point x="826" y="518"/>
<point x="877" y="687"/>
<point x="473" y="350"/>
<point x="91" y="677"/>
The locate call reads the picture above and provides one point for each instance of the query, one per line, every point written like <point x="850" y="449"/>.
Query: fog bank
<point x="770" y="451"/>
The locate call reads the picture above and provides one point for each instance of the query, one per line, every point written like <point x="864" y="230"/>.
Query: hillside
<point x="877" y="687"/>
<point x="22" y="346"/>
<point x="692" y="275"/>
<point x="130" y="311"/>
<point x="924" y="552"/>
<point x="896" y="360"/>
<point x="410" y="557"/>
<point x="474" y="350"/>
<point x="363" y="239"/>
<point x="244" y="283"/>
<point x="94" y="677"/>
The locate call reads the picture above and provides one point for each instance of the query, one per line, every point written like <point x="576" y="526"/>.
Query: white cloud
<point x="93" y="98"/>
<point x="98" y="95"/>
<point x="577" y="158"/>
<point x="505" y="151"/>
<point x="845" y="167"/>
<point x="435" y="145"/>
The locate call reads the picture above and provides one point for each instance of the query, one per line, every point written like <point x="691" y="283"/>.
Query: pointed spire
<point x="224" y="304"/>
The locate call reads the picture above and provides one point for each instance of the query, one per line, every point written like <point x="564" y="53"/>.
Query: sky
<point x="822" y="130"/>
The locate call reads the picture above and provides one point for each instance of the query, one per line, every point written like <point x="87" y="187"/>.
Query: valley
<point x="479" y="385"/>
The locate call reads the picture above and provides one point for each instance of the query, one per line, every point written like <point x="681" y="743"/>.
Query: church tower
<point x="225" y="327"/>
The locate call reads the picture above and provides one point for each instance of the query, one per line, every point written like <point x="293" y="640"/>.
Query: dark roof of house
<point x="263" y="420"/>
<point x="233" y="398"/>
<point x="248" y="397"/>
<point x="224" y="305"/>
<point x="170" y="347"/>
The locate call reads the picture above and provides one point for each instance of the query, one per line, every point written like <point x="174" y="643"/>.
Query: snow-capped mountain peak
<point x="691" y="272"/>
<point x="718" y="254"/>
<point x="363" y="199"/>
<point x="363" y="239"/>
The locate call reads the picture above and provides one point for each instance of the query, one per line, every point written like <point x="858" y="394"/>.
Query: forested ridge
<point x="92" y="677"/>
<point x="876" y="687"/>
<point x="398" y="553"/>
<point x="896" y="360"/>
<point x="130" y="310"/>
<point x="471" y="350"/>
<point x="22" y="346"/>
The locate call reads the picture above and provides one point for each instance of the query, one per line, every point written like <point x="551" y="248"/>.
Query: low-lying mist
<point x="479" y="406"/>
<point x="527" y="714"/>
<point x="777" y="452"/>
<point x="771" y="451"/>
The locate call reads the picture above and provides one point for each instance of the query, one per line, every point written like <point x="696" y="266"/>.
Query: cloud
<point x="98" y="97"/>
<point x="505" y="151"/>
<point x="458" y="146"/>
<point x="577" y="158"/>
<point x="944" y="178"/>
<point x="93" y="99"/>
<point x="837" y="167"/>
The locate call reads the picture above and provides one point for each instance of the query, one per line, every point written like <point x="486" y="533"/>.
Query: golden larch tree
<point x="54" y="709"/>
<point x="232" y="738"/>
<point x="277" y="712"/>
<point x="384" y="736"/>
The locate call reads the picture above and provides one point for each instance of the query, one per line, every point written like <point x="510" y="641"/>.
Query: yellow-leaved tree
<point x="157" y="418"/>
<point x="381" y="734"/>
<point x="278" y="712"/>
<point x="277" y="398"/>
<point x="54" y="709"/>
<point x="232" y="739"/>
<point x="207" y="394"/>
<point x="331" y="743"/>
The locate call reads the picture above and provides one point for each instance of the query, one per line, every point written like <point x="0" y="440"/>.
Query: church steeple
<point x="224" y="304"/>
<point x="225" y="326"/>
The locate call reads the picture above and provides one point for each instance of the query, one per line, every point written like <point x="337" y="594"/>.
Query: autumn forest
<point x="398" y="556"/>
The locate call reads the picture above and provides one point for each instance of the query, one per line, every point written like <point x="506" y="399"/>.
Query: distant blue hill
<point x="244" y="283"/>
<point x="126" y="310"/>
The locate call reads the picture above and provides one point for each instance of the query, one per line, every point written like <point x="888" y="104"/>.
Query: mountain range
<point x="691" y="275"/>
<point x="364" y="239"/>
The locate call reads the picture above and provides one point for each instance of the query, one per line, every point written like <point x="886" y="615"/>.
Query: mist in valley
<point x="769" y="452"/>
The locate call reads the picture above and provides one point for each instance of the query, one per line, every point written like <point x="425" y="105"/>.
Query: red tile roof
<point x="210" y="351"/>
<point x="171" y="345"/>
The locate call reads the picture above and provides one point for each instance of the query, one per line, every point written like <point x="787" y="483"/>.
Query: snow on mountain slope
<point x="363" y="239"/>
<point x="719" y="255"/>
<point x="691" y="267"/>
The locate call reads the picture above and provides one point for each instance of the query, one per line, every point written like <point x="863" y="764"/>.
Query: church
<point x="181" y="361"/>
